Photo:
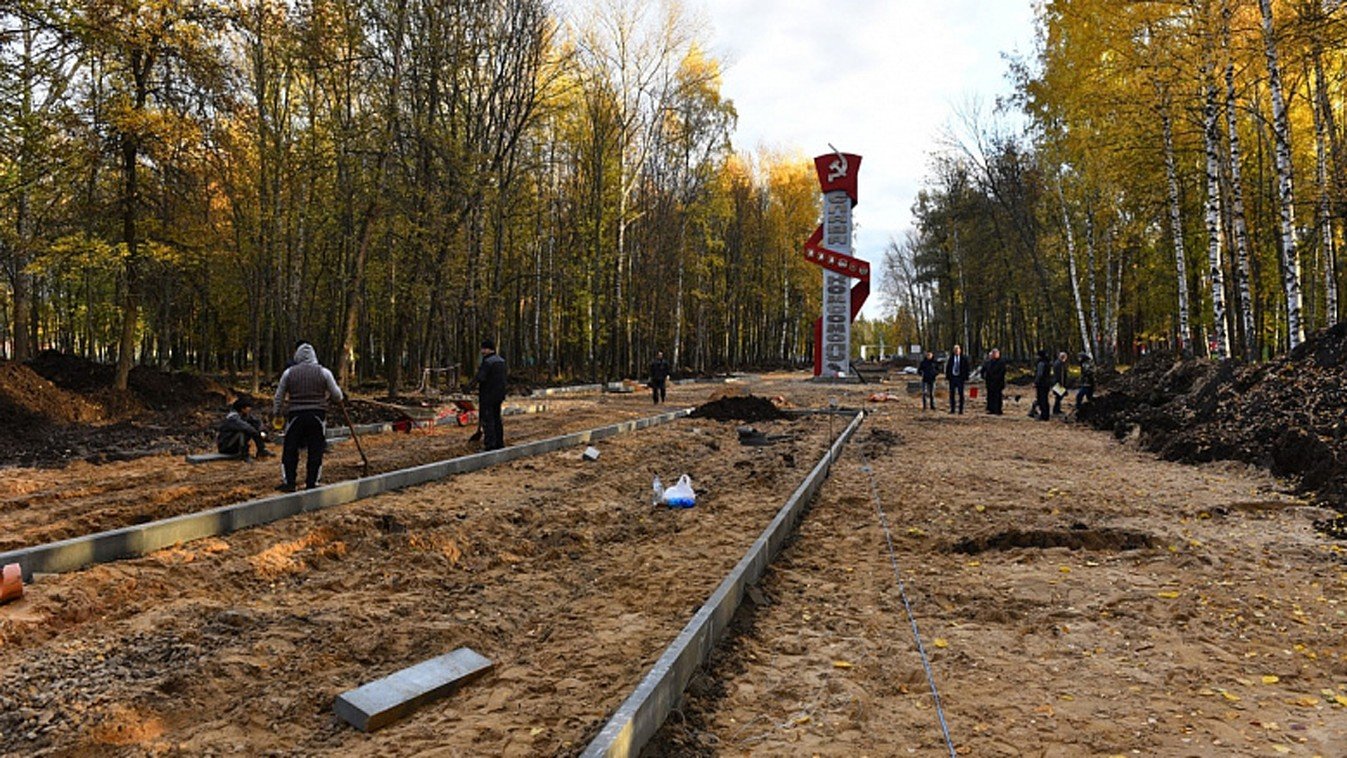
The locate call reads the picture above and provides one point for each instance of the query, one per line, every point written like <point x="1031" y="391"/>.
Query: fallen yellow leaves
<point x="1305" y="701"/>
<point x="843" y="665"/>
<point x="1167" y="594"/>
<point x="941" y="642"/>
<point x="1271" y="679"/>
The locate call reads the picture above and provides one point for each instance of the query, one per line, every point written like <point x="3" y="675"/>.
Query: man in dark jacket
<point x="1086" y="392"/>
<point x="659" y="377"/>
<point x="928" y="370"/>
<point x="994" y="373"/>
<point x="238" y="429"/>
<point x="1059" y="368"/>
<point x="491" y="381"/>
<point x="1042" y="383"/>
<point x="957" y="369"/>
<point x="308" y="387"/>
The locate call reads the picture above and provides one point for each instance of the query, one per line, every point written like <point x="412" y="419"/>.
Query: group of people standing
<point x="1050" y="379"/>
<point x="306" y="388"/>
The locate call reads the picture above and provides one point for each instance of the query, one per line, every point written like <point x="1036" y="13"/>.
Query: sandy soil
<point x="39" y="505"/>
<point x="1224" y="636"/>
<point x="561" y="571"/>
<point x="1201" y="614"/>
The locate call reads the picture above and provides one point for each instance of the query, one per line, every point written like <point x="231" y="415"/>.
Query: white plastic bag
<point x="681" y="494"/>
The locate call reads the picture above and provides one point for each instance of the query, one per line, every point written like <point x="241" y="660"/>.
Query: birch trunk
<point x="1237" y="222"/>
<point x="1212" y="134"/>
<point x="1281" y="129"/>
<point x="1320" y="106"/>
<point x="1071" y="268"/>
<point x="1112" y="299"/>
<point x="1093" y="347"/>
<point x="1176" y="228"/>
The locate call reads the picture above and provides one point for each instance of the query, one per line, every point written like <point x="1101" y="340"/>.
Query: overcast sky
<point x="878" y="78"/>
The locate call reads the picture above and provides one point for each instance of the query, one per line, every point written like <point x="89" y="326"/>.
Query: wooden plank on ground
<point x="386" y="700"/>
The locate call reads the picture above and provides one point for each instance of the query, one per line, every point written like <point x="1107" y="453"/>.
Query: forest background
<point x="198" y="183"/>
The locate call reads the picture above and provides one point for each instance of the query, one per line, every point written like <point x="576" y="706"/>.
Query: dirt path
<point x="1221" y="633"/>
<point x="39" y="505"/>
<point x="1201" y="615"/>
<point x="559" y="570"/>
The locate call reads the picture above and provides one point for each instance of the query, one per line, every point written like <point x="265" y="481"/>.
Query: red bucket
<point x="973" y="392"/>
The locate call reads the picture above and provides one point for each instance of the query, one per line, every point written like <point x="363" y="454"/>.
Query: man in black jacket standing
<point x="994" y="373"/>
<point x="957" y="369"/>
<point x="490" y="381"/>
<point x="659" y="377"/>
<point x="928" y="370"/>
<point x="1059" y="380"/>
<point x="1042" y="381"/>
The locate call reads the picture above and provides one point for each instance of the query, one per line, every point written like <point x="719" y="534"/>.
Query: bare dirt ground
<point x="42" y="504"/>
<point x="561" y="571"/>
<point x="1200" y="614"/>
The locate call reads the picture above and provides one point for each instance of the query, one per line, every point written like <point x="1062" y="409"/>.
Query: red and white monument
<point x="830" y="247"/>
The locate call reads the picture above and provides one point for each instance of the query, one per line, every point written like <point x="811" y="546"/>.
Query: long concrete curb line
<point x="141" y="539"/>
<point x="644" y="710"/>
<point x="574" y="389"/>
<point x="446" y="420"/>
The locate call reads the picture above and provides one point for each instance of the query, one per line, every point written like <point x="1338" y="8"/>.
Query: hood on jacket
<point x="305" y="354"/>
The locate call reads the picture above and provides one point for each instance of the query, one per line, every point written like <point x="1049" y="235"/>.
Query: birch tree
<point x="1212" y="138"/>
<point x="1085" y="340"/>
<point x="1281" y="130"/>
<point x="1239" y="225"/>
<point x="1176" y="229"/>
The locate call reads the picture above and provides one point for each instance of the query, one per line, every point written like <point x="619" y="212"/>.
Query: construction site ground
<point x="44" y="504"/>
<point x="1075" y="596"/>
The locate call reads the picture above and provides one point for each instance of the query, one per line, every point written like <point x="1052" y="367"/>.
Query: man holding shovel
<point x="309" y="387"/>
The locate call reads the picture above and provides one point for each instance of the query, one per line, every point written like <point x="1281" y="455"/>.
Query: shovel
<point x="364" y="462"/>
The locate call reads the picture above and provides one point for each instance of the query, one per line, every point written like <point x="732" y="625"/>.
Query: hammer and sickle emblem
<point x="838" y="168"/>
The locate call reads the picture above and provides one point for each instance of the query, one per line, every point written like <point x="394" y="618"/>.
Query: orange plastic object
<point x="11" y="583"/>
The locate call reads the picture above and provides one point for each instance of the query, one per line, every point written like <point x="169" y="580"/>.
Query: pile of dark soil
<point x="60" y="408"/>
<point x="739" y="408"/>
<point x="155" y="389"/>
<point x="28" y="400"/>
<point x="1285" y="415"/>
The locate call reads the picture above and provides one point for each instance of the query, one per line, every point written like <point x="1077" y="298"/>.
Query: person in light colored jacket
<point x="306" y="388"/>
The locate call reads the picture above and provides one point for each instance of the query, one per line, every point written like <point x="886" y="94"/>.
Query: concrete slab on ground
<point x="383" y="701"/>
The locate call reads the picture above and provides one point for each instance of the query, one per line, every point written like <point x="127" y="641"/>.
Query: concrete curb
<point x="574" y="389"/>
<point x="133" y="541"/>
<point x="644" y="711"/>
<point x="448" y="420"/>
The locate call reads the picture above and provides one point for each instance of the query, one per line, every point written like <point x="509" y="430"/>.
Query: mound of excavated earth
<point x="1284" y="415"/>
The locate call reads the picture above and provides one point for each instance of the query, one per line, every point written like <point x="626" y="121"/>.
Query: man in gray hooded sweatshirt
<point x="309" y="387"/>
